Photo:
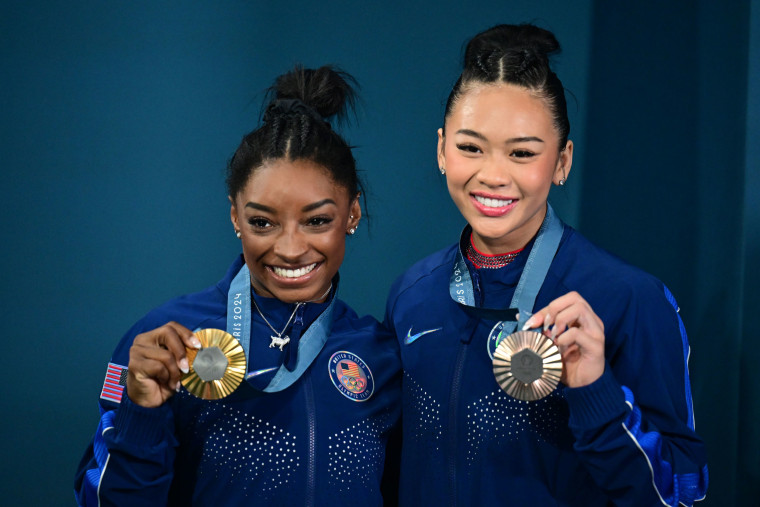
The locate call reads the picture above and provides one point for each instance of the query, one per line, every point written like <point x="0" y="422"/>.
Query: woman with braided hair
<point x="487" y="325"/>
<point x="309" y="422"/>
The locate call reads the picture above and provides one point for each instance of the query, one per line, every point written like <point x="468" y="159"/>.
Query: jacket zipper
<point x="453" y="419"/>
<point x="312" y="458"/>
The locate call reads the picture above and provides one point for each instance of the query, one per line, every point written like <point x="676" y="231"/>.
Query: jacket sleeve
<point x="130" y="459"/>
<point x="634" y="426"/>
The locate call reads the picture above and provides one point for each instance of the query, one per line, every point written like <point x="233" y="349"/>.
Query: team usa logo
<point x="495" y="337"/>
<point x="351" y="376"/>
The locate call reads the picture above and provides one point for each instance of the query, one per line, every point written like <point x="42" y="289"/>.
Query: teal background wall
<point x="117" y="121"/>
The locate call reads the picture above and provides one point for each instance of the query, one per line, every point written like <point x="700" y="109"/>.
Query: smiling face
<point x="501" y="153"/>
<point x="293" y="220"/>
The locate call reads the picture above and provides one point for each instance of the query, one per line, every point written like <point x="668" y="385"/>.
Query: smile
<point x="293" y="273"/>
<point x="493" y="203"/>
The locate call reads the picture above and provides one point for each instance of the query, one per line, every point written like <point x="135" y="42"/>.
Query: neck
<point x="264" y="293"/>
<point x="512" y="241"/>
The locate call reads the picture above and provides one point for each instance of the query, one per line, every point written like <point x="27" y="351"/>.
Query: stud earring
<point x="238" y="234"/>
<point x="562" y="182"/>
<point x="442" y="169"/>
<point x="352" y="230"/>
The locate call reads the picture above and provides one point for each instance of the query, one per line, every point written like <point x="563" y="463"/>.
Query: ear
<point x="564" y="164"/>
<point x="441" y="156"/>
<point x="233" y="213"/>
<point x="355" y="211"/>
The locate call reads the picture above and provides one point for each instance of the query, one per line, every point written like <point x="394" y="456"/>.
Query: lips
<point x="492" y="205"/>
<point x="293" y="272"/>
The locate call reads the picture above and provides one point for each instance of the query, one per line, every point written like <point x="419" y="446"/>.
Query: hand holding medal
<point x="210" y="363"/>
<point x="570" y="322"/>
<point x="157" y="360"/>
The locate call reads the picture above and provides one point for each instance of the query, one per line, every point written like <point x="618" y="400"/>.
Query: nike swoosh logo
<point x="412" y="337"/>
<point x="260" y="372"/>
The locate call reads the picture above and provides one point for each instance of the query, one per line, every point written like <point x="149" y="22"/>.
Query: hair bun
<point x="510" y="48"/>
<point x="328" y="91"/>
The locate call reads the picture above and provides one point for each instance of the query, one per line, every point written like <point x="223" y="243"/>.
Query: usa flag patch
<point x="113" y="386"/>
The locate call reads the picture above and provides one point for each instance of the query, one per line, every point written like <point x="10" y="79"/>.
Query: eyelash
<point x="522" y="154"/>
<point x="319" y="221"/>
<point x="468" y="148"/>
<point x="261" y="223"/>
<point x="471" y="148"/>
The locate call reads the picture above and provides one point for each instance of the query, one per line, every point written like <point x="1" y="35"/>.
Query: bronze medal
<point x="527" y="365"/>
<point x="217" y="368"/>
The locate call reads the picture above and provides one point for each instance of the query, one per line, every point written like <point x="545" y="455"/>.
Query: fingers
<point x="570" y="322"/>
<point x="570" y="310"/>
<point x="176" y="338"/>
<point x="157" y="360"/>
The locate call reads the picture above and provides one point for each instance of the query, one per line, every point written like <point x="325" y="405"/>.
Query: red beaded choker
<point x="487" y="261"/>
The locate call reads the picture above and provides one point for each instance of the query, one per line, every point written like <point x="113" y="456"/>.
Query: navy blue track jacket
<point x="626" y="439"/>
<point x="309" y="444"/>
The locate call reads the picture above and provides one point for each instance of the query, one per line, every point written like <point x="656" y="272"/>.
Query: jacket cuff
<point x="140" y="425"/>
<point x="596" y="404"/>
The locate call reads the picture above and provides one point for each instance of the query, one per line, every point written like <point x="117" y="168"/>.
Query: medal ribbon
<point x="239" y="326"/>
<point x="532" y="278"/>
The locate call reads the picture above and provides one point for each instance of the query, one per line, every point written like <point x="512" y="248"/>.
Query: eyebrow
<point x="318" y="204"/>
<point x="258" y="206"/>
<point x="480" y="136"/>
<point x="307" y="208"/>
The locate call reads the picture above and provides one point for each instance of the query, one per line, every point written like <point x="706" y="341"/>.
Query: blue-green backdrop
<point x="117" y="120"/>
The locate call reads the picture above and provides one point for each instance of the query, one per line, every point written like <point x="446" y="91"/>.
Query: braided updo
<point x="296" y="126"/>
<point x="518" y="55"/>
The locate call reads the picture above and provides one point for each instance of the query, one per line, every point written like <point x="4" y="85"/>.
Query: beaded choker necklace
<point x="481" y="260"/>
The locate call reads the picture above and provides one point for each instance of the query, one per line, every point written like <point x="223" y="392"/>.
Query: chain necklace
<point x="487" y="261"/>
<point x="279" y="340"/>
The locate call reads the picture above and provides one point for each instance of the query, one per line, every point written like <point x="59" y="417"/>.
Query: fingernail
<point x="553" y="336"/>
<point x="184" y="365"/>
<point x="548" y="321"/>
<point x="179" y="386"/>
<point x="528" y="324"/>
<point x="195" y="342"/>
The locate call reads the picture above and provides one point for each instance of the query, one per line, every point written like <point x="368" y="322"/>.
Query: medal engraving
<point x="210" y="364"/>
<point x="527" y="365"/>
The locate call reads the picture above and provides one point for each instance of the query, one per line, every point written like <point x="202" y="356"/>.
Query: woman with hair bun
<point x="538" y="368"/>
<point x="319" y="387"/>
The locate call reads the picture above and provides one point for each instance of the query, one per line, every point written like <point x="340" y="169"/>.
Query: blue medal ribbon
<point x="309" y="345"/>
<point x="532" y="278"/>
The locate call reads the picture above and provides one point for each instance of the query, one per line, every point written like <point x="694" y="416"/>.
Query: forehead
<point x="282" y="181"/>
<point x="501" y="110"/>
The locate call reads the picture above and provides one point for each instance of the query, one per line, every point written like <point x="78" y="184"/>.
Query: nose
<point x="494" y="172"/>
<point x="290" y="245"/>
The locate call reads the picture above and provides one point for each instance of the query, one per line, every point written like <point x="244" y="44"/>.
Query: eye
<point x="259" y="223"/>
<point x="521" y="154"/>
<point x="319" y="221"/>
<point x="468" y="148"/>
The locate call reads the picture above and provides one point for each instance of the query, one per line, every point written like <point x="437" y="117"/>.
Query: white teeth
<point x="493" y="203"/>
<point x="293" y="273"/>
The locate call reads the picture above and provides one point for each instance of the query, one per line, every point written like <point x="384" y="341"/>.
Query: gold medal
<point x="527" y="365"/>
<point x="217" y="368"/>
